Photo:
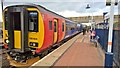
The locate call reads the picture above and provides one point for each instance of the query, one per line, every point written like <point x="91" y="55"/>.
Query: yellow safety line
<point x="82" y="39"/>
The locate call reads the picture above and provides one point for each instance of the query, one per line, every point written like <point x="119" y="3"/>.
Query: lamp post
<point x="88" y="7"/>
<point x="2" y="5"/>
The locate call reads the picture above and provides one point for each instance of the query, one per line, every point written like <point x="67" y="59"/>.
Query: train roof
<point x="43" y="9"/>
<point x="54" y="13"/>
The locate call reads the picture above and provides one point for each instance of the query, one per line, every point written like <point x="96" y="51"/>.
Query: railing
<point x="103" y="34"/>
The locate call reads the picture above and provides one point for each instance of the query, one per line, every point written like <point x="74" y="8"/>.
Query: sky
<point x="67" y="8"/>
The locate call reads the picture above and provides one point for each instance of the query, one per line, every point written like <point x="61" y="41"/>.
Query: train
<point x="30" y="30"/>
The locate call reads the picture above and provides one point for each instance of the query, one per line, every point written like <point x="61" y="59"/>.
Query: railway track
<point x="4" y="63"/>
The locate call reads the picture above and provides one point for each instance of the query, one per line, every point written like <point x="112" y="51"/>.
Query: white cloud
<point x="67" y="8"/>
<point x="54" y="0"/>
<point x="68" y="13"/>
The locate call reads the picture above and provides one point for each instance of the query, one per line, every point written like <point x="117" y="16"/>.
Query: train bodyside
<point x="33" y="29"/>
<point x="54" y="29"/>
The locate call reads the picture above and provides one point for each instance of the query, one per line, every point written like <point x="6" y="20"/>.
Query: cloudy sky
<point x="67" y="8"/>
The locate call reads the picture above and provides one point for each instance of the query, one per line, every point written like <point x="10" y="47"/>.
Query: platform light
<point x="88" y="6"/>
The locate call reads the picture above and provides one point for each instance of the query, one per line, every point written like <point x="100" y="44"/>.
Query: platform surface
<point x="50" y="59"/>
<point x="78" y="51"/>
<point x="81" y="53"/>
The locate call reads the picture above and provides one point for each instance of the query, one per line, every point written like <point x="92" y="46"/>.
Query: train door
<point x="17" y="28"/>
<point x="55" y="30"/>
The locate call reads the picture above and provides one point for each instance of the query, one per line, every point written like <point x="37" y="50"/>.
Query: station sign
<point x="107" y="16"/>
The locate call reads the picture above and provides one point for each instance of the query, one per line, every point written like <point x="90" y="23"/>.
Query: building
<point x="85" y="19"/>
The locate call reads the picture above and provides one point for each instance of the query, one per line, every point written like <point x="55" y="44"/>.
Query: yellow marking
<point x="109" y="43"/>
<point x="55" y="33"/>
<point x="40" y="34"/>
<point x="5" y="32"/>
<point x="82" y="39"/>
<point x="17" y="39"/>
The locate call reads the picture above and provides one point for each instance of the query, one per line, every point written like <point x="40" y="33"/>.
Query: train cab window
<point x="33" y="21"/>
<point x="55" y="26"/>
<point x="50" y="25"/>
<point x="6" y="20"/>
<point x="62" y="26"/>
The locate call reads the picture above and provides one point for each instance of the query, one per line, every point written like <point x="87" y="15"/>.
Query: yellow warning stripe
<point x="82" y="39"/>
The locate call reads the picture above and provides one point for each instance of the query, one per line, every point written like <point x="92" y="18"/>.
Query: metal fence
<point x="116" y="46"/>
<point x="103" y="34"/>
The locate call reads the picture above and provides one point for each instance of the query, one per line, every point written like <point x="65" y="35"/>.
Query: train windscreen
<point x="33" y="21"/>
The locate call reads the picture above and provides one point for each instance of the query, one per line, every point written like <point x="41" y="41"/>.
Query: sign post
<point x="109" y="54"/>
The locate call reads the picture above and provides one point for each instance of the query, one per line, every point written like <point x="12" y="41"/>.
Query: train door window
<point x="55" y="28"/>
<point x="33" y="21"/>
<point x="6" y="20"/>
<point x="50" y="25"/>
<point x="63" y="27"/>
<point x="16" y="20"/>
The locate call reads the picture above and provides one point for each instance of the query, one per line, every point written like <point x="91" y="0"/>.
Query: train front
<point x="22" y="27"/>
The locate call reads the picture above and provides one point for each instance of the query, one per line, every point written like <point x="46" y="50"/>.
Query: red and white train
<point x="30" y="30"/>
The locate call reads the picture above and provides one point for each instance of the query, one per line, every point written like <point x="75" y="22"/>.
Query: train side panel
<point x="61" y="29"/>
<point x="71" y="29"/>
<point x="49" y="31"/>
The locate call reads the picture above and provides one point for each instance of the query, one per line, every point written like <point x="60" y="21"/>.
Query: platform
<point x="82" y="53"/>
<point x="78" y="51"/>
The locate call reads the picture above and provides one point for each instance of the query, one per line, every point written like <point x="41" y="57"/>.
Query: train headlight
<point x="6" y="41"/>
<point x="34" y="44"/>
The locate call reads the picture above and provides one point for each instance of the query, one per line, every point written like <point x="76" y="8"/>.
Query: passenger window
<point x="55" y="29"/>
<point x="50" y="25"/>
<point x="33" y="21"/>
<point x="63" y="27"/>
